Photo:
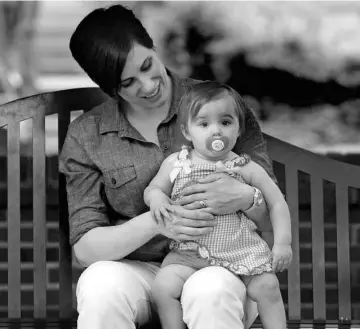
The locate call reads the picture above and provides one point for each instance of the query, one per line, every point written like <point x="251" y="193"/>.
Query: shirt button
<point x="113" y="181"/>
<point x="166" y="147"/>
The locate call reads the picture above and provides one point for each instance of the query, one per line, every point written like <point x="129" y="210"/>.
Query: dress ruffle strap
<point x="182" y="162"/>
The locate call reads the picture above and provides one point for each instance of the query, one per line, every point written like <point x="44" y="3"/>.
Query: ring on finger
<point x="203" y="204"/>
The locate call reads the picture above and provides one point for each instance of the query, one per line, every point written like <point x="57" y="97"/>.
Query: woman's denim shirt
<point x="108" y="164"/>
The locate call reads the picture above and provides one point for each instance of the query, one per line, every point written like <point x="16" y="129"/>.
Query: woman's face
<point x="144" y="81"/>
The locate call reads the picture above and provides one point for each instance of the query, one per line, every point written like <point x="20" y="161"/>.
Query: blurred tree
<point x="293" y="55"/>
<point x="17" y="63"/>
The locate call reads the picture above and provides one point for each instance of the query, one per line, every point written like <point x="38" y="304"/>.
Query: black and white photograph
<point x="179" y="164"/>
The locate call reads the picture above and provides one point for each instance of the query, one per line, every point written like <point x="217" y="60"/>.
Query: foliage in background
<point x="315" y="42"/>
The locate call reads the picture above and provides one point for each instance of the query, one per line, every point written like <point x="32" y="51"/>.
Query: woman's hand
<point x="217" y="193"/>
<point x="184" y="224"/>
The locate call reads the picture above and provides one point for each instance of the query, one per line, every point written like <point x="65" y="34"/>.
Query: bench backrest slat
<point x="343" y="176"/>
<point x="313" y="164"/>
<point x="65" y="272"/>
<point x="318" y="247"/>
<point x="13" y="215"/>
<point x="39" y="215"/>
<point x="292" y="198"/>
<point x="343" y="250"/>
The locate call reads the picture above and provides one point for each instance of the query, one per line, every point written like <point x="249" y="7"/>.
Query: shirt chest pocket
<point x="122" y="190"/>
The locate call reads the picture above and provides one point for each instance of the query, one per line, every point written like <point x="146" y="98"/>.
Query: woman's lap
<point x="126" y="284"/>
<point x="222" y="294"/>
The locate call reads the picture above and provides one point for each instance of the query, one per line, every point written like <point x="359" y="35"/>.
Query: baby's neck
<point x="198" y="158"/>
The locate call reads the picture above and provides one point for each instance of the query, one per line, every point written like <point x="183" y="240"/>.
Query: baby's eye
<point x="203" y="124"/>
<point x="226" y="122"/>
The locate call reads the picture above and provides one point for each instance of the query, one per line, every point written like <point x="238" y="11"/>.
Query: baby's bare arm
<point x="256" y="176"/>
<point x="160" y="186"/>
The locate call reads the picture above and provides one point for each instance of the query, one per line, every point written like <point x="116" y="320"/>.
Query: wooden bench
<point x="288" y="159"/>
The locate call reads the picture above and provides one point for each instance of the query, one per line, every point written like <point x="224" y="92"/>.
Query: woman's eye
<point x="127" y="84"/>
<point x="203" y="124"/>
<point x="148" y="65"/>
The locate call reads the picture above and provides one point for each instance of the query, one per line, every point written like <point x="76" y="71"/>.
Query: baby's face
<point x="215" y="129"/>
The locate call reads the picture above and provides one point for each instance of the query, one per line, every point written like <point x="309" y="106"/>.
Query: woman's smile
<point x="154" y="95"/>
<point x="144" y="79"/>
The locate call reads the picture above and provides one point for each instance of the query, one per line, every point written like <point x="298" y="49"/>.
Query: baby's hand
<point x="282" y="256"/>
<point x="161" y="211"/>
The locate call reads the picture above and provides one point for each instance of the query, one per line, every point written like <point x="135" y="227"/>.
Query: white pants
<point x="116" y="295"/>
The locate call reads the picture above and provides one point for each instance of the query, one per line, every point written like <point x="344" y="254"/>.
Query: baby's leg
<point x="166" y="292"/>
<point x="264" y="289"/>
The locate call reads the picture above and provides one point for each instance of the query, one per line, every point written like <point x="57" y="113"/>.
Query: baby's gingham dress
<point x="234" y="243"/>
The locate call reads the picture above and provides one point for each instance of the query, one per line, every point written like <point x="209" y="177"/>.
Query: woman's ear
<point x="185" y="133"/>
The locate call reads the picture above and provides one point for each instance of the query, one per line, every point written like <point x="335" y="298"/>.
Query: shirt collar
<point x="179" y="88"/>
<point x="110" y="117"/>
<point x="113" y="119"/>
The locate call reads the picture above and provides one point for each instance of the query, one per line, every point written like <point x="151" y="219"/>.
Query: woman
<point x="111" y="154"/>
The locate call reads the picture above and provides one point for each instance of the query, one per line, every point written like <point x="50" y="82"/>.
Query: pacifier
<point x="217" y="144"/>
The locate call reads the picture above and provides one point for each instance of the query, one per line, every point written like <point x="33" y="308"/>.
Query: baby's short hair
<point x="205" y="92"/>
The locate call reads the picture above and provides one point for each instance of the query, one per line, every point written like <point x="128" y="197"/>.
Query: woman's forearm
<point x="115" y="242"/>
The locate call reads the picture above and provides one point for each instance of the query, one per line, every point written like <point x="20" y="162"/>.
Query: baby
<point x="211" y="118"/>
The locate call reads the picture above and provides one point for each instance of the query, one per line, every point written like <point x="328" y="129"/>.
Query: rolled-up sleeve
<point x="87" y="209"/>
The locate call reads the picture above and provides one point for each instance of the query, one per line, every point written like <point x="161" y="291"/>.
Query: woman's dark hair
<point x="205" y="92"/>
<point x="102" y="42"/>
